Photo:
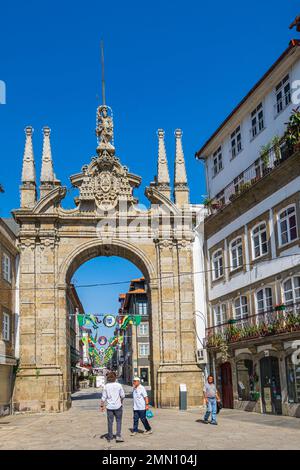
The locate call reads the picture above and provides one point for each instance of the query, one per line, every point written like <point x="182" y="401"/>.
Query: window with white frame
<point x="283" y="94"/>
<point x="6" y="267"/>
<point x="264" y="300"/>
<point x="217" y="264"/>
<point x="144" y="349"/>
<point x="236" y="253"/>
<point x="143" y="329"/>
<point x="257" y="120"/>
<point x="142" y="307"/>
<point x="287" y="225"/>
<point x="217" y="161"/>
<point x="219" y="314"/>
<point x="241" y="307"/>
<point x="6" y="326"/>
<point x="259" y="240"/>
<point x="236" y="142"/>
<point x="291" y="290"/>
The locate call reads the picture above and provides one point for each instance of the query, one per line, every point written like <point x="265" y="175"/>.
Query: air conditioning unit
<point x="202" y="356"/>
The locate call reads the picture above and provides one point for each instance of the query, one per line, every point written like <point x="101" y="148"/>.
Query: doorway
<point x="144" y="375"/>
<point x="270" y="385"/>
<point x="226" y="385"/>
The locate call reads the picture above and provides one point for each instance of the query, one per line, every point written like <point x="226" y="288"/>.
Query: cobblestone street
<point x="84" y="427"/>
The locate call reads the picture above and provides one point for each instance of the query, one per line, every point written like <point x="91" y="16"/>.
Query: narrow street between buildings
<point x="83" y="427"/>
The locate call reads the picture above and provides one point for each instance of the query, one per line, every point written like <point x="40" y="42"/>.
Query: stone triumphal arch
<point x="105" y="221"/>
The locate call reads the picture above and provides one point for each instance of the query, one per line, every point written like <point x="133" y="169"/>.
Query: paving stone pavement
<point x="83" y="427"/>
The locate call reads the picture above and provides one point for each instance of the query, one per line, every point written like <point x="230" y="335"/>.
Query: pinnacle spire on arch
<point x="163" y="177"/>
<point x="28" y="169"/>
<point x="181" y="190"/>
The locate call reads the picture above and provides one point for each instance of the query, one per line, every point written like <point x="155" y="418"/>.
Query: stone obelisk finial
<point x="163" y="178"/>
<point x="181" y="189"/>
<point x="48" y="179"/>
<point x="28" y="188"/>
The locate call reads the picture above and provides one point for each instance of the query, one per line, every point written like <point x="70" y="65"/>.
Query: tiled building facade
<point x="136" y="345"/>
<point x="252" y="247"/>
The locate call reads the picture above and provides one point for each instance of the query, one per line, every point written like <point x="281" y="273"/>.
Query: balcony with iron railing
<point x="276" y="321"/>
<point x="75" y="354"/>
<point x="271" y="157"/>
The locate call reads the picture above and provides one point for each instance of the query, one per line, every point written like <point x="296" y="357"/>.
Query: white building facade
<point x="252" y="246"/>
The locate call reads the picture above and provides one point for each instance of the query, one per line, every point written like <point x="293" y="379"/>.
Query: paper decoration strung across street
<point x="130" y="320"/>
<point x="87" y="321"/>
<point x="102" y="340"/>
<point x="109" y="321"/>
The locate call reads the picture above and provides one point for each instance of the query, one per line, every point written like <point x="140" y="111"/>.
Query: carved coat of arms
<point x="105" y="181"/>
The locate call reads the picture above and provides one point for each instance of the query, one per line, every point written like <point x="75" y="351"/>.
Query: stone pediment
<point x="105" y="182"/>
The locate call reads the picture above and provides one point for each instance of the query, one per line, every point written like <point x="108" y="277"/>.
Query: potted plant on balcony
<point x="265" y="157"/>
<point x="244" y="186"/>
<point x="276" y="146"/>
<point x="292" y="134"/>
<point x="207" y="202"/>
<point x="234" y="333"/>
<point x="279" y="307"/>
<point x="292" y="322"/>
<point x="212" y="204"/>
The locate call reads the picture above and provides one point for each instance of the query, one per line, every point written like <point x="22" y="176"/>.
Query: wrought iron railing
<point x="278" y="320"/>
<point x="268" y="160"/>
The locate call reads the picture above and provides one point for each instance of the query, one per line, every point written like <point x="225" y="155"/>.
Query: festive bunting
<point x="135" y="319"/>
<point x="102" y="340"/>
<point x="109" y="321"/>
<point x="125" y="322"/>
<point x="87" y="320"/>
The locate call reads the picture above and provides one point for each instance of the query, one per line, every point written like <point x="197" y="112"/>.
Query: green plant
<point x="244" y="186"/>
<point x="264" y="154"/>
<point x="276" y="145"/>
<point x="292" y="134"/>
<point x="207" y="202"/>
<point x="224" y="350"/>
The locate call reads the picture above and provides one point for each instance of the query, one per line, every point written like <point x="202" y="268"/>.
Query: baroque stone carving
<point x="105" y="128"/>
<point x="105" y="181"/>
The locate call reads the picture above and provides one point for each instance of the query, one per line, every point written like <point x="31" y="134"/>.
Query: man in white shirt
<point x="140" y="406"/>
<point x="113" y="395"/>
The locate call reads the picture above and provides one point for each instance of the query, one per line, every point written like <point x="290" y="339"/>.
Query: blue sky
<point x="168" y="64"/>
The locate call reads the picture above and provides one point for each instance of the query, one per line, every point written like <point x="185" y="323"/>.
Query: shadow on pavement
<point x="91" y="396"/>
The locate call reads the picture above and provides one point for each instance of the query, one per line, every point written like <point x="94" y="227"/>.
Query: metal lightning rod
<point x="103" y="76"/>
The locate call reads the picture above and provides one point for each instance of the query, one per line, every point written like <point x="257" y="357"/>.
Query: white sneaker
<point x="133" y="433"/>
<point x="148" y="432"/>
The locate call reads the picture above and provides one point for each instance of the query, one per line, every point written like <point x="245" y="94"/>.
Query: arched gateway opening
<point x="133" y="361"/>
<point x="106" y="221"/>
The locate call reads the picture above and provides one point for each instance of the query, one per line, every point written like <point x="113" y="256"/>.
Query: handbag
<point x="149" y="414"/>
<point x="219" y="406"/>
